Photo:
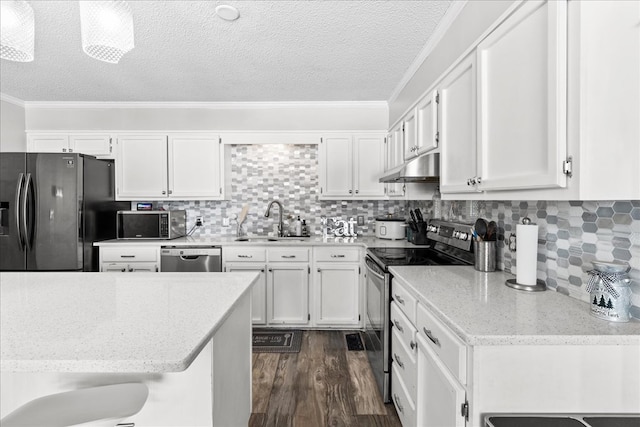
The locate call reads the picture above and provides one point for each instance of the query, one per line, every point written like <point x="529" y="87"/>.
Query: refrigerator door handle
<point x="19" y="211"/>
<point x="27" y="225"/>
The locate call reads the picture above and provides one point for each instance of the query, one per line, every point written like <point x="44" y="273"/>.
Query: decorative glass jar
<point x="610" y="292"/>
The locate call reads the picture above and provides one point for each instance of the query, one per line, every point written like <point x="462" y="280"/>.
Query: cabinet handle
<point x="318" y="270"/>
<point x="398" y="361"/>
<point x="245" y="256"/>
<point x="479" y="179"/>
<point x="429" y="335"/>
<point x="130" y="270"/>
<point x="399" y="299"/>
<point x="262" y="270"/>
<point x="412" y="344"/>
<point x="123" y="270"/>
<point x="164" y="192"/>
<point x="64" y="150"/>
<point x="337" y="256"/>
<point x="398" y="326"/>
<point x="357" y="191"/>
<point x="170" y="191"/>
<point x="350" y="191"/>
<point x="270" y="270"/>
<point x="288" y="256"/>
<point x="398" y="405"/>
<point x="127" y="256"/>
<point x="71" y="150"/>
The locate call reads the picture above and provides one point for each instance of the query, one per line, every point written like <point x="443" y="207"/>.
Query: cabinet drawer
<point x="451" y="350"/>
<point x="337" y="254"/>
<point x="405" y="408"/>
<point x="405" y="360"/>
<point x="406" y="302"/>
<point x="288" y="254"/>
<point x="126" y="254"/>
<point x="232" y="253"/>
<point x="405" y="329"/>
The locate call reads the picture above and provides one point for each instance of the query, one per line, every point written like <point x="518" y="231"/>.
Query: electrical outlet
<point x="225" y="222"/>
<point x="360" y="220"/>
<point x="199" y="221"/>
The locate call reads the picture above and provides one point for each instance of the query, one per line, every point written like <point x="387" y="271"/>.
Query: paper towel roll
<point x="526" y="253"/>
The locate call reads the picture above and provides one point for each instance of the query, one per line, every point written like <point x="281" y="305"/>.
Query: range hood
<point x="425" y="168"/>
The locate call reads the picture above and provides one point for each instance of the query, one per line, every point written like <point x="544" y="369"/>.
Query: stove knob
<point x="463" y="236"/>
<point x="456" y="234"/>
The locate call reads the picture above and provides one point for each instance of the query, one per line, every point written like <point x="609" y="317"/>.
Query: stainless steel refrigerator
<point x="53" y="207"/>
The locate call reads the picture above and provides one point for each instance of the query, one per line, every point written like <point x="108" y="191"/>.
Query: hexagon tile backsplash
<point x="570" y="236"/>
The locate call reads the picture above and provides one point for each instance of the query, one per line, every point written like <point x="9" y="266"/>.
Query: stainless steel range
<point x="450" y="243"/>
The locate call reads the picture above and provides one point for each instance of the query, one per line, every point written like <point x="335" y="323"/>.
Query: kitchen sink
<point x="262" y="239"/>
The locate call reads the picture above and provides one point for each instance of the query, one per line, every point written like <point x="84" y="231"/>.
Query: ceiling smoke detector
<point x="226" y="12"/>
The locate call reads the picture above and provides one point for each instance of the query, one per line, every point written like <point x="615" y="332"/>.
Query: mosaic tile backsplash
<point x="571" y="234"/>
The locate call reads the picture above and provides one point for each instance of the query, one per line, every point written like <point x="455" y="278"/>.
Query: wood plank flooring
<point x="322" y="385"/>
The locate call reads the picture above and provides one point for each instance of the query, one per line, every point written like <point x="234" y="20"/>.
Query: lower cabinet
<point x="258" y="292"/>
<point x="129" y="259"/>
<point x="288" y="293"/>
<point x="336" y="287"/>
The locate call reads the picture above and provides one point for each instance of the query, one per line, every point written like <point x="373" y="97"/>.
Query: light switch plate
<point x="225" y="222"/>
<point x="360" y="220"/>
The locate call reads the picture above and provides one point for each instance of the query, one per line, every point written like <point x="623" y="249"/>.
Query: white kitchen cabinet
<point x="94" y="144"/>
<point x="522" y="81"/>
<point x="458" y="127"/>
<point x="179" y="167"/>
<point x="350" y="165"/>
<point x="394" y="158"/>
<point x="336" y="285"/>
<point x="288" y="285"/>
<point x="258" y="292"/>
<point x="410" y="130"/>
<point x="129" y="259"/>
<point x="427" y="133"/>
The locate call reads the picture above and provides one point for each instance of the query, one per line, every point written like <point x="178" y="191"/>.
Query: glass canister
<point x="610" y="291"/>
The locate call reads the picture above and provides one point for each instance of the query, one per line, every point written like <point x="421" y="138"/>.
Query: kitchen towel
<point x="526" y="253"/>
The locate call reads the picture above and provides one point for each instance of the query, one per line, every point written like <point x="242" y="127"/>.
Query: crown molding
<point x="441" y="29"/>
<point x="209" y="105"/>
<point x="12" y="100"/>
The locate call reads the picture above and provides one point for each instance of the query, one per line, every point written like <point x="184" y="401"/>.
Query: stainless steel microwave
<point x="151" y="224"/>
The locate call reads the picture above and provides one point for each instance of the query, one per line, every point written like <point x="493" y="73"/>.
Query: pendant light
<point x="107" y="29"/>
<point x="17" y="31"/>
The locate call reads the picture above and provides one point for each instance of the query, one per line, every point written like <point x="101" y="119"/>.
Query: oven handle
<point x="374" y="273"/>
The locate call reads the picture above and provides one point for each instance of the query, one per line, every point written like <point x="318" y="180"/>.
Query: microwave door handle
<point x="19" y="211"/>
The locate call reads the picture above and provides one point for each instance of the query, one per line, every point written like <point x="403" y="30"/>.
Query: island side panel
<point x="554" y="379"/>
<point x="232" y="367"/>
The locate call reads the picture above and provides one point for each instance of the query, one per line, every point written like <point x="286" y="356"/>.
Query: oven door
<point x="377" y="325"/>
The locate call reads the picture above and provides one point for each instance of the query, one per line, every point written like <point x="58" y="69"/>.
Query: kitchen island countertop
<point x="482" y="310"/>
<point x="109" y="322"/>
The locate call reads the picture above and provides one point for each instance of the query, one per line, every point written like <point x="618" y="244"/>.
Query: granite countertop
<point x="482" y="310"/>
<point x="110" y="322"/>
<point x="363" y="241"/>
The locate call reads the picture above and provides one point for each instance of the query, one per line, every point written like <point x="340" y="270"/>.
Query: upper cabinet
<point x="84" y="143"/>
<point x="394" y="158"/>
<point x="180" y="167"/>
<point x="522" y="81"/>
<point x="420" y="126"/>
<point x="349" y="166"/>
<point x="458" y="127"/>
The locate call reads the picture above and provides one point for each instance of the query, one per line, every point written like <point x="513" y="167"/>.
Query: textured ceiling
<point x="277" y="51"/>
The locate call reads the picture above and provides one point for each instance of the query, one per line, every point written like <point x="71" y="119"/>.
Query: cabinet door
<point x="195" y="167"/>
<point x="141" y="167"/>
<point x="288" y="294"/>
<point x="368" y="165"/>
<point x="410" y="127"/>
<point x="458" y="127"/>
<point x="427" y="123"/>
<point x="337" y="294"/>
<point x="336" y="170"/>
<point x="143" y="267"/>
<point x="258" y="292"/>
<point x="92" y="144"/>
<point x="440" y="397"/>
<point x="395" y="157"/>
<point x="44" y="143"/>
<point x="522" y="99"/>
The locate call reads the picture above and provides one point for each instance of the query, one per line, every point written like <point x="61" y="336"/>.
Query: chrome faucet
<point x="280" y="215"/>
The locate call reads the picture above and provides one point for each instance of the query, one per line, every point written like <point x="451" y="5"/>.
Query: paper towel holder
<point x="512" y="283"/>
<point x="539" y="286"/>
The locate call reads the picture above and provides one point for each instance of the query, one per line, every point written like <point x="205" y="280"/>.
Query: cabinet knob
<point x="164" y="192"/>
<point x="350" y="191"/>
<point x="479" y="179"/>
<point x="429" y="335"/>
<point x="398" y="405"/>
<point x="399" y="299"/>
<point x="357" y="191"/>
<point x="71" y="150"/>
<point x="64" y="150"/>
<point x="170" y="191"/>
<point x="398" y="361"/>
<point x="412" y="344"/>
<point x="398" y="326"/>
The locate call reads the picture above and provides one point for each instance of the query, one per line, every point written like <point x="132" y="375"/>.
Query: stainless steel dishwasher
<point x="204" y="259"/>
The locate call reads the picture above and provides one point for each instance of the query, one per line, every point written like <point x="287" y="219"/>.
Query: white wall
<point x="271" y="117"/>
<point x="12" y="126"/>
<point x="471" y="22"/>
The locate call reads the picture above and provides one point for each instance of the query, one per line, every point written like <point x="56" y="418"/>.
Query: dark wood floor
<point x="323" y="385"/>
